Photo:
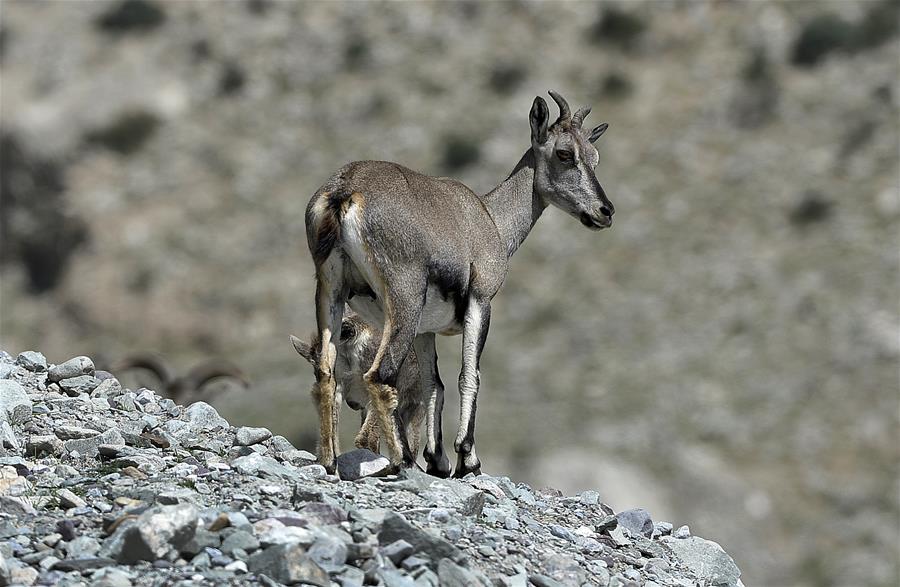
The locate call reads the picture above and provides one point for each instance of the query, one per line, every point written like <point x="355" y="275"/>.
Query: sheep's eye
<point x="565" y="156"/>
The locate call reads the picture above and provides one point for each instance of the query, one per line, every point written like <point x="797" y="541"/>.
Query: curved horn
<point x="209" y="370"/>
<point x="153" y="363"/>
<point x="564" y="112"/>
<point x="578" y="118"/>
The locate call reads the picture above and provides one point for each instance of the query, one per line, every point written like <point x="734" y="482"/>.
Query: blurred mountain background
<point x="726" y="355"/>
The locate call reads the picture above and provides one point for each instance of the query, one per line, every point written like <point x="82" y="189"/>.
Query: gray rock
<point x="447" y="493"/>
<point x="71" y="368"/>
<point x="395" y="527"/>
<point x="637" y="521"/>
<point x="5" y="578"/>
<point x="111" y="577"/>
<point x="561" y="532"/>
<point x="108" y="388"/>
<point x="67" y="499"/>
<point x="246" y="435"/>
<point x="82" y="547"/>
<point x="152" y="534"/>
<point x="240" y="539"/>
<point x="589" y="497"/>
<point x="202" y="416"/>
<point x="6" y="370"/>
<point x="451" y="574"/>
<point x="394" y="578"/>
<point x="33" y="361"/>
<point x="545" y="581"/>
<point x="8" y="436"/>
<point x="15" y="407"/>
<point x="201" y="540"/>
<point x="329" y="552"/>
<point x="299" y="458"/>
<point x="564" y="569"/>
<point x="258" y="465"/>
<point x="75" y="432"/>
<point x="682" y="532"/>
<point x="360" y="463"/>
<point x="662" y="528"/>
<point x="90" y="447"/>
<point x="706" y="560"/>
<point x="49" y="444"/>
<point x="281" y="444"/>
<point x="78" y="385"/>
<point x="397" y="550"/>
<point x="288" y="564"/>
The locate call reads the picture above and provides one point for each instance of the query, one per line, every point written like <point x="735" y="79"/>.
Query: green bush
<point x="127" y="133"/>
<point x="616" y="27"/>
<point x="131" y="16"/>
<point x="459" y="151"/>
<point x="828" y="33"/>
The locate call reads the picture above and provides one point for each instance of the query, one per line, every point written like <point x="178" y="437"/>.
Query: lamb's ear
<point x="303" y="349"/>
<point x="597" y="132"/>
<point x="539" y="118"/>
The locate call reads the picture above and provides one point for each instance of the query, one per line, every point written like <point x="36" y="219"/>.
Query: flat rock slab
<point x="248" y="436"/>
<point x="637" y="521"/>
<point x="360" y="463"/>
<point x="15" y="407"/>
<point x="706" y="559"/>
<point x="151" y="536"/>
<point x="71" y="368"/>
<point x="33" y="361"/>
<point x="289" y="564"/>
<point x="79" y="385"/>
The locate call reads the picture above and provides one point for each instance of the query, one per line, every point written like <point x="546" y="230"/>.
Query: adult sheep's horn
<point x="565" y="113"/>
<point x="578" y="118"/>
<point x="149" y="361"/>
<point x="213" y="369"/>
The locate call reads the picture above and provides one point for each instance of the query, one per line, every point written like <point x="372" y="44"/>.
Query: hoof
<point x="441" y="470"/>
<point x="330" y="468"/>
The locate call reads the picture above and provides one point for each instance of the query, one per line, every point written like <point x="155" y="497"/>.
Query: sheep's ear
<point x="303" y="349"/>
<point x="597" y="132"/>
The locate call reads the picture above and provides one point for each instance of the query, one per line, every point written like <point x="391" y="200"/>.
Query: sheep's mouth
<point x="595" y="223"/>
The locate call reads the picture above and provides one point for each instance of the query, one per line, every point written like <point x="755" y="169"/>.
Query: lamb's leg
<point x="367" y="437"/>
<point x="433" y="395"/>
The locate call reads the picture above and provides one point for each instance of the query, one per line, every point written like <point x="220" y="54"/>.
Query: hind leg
<point x="401" y="322"/>
<point x="330" y="297"/>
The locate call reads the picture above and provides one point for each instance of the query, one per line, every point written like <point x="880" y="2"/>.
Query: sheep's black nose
<point x="606" y="212"/>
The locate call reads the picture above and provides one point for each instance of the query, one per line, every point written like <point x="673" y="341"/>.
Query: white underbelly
<point x="438" y="314"/>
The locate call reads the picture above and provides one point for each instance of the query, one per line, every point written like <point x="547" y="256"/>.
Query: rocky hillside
<point x="726" y="354"/>
<point x="114" y="487"/>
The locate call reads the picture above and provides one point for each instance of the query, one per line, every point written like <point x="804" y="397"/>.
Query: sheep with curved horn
<point x="186" y="388"/>
<point x="421" y="255"/>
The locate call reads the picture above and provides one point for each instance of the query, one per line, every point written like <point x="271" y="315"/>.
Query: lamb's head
<point x="357" y="346"/>
<point x="565" y="159"/>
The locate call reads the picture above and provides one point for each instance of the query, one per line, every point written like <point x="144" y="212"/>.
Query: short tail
<point x="323" y="222"/>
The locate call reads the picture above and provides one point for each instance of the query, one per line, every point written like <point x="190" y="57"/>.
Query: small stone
<point x="15" y="407"/>
<point x="637" y="521"/>
<point x="82" y="547"/>
<point x="75" y="432"/>
<point x="71" y="368"/>
<point x="589" y="497"/>
<point x="662" y="528"/>
<point x="90" y="447"/>
<point x="77" y="385"/>
<point x="247" y="436"/>
<point x="67" y="499"/>
<point x="202" y="416"/>
<point x="38" y="445"/>
<point x="240" y="539"/>
<point x="111" y="577"/>
<point x="360" y="463"/>
<point x="33" y="361"/>
<point x="395" y="527"/>
<point x="238" y="567"/>
<point x="439" y="515"/>
<point x="299" y="458"/>
<point x="397" y="550"/>
<point x="8" y="436"/>
<point x="451" y="574"/>
<point x="561" y="532"/>
<point x="288" y="564"/>
<point x="682" y="532"/>
<point x="329" y="552"/>
<point x="281" y="444"/>
<point x="152" y="534"/>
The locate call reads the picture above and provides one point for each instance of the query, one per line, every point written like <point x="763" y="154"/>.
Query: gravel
<point x="135" y="491"/>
